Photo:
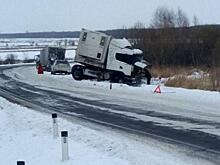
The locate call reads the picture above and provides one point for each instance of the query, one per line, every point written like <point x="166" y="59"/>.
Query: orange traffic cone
<point x="157" y="90"/>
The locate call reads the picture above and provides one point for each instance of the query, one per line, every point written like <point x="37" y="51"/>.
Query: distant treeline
<point x="70" y="34"/>
<point x="185" y="46"/>
<point x="74" y="34"/>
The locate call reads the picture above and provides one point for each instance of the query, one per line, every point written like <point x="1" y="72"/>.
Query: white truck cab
<point x="122" y="57"/>
<point x="103" y="57"/>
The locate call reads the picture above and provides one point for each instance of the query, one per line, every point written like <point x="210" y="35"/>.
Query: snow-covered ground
<point x="189" y="104"/>
<point x="27" y="135"/>
<point x="8" y="44"/>
<point x="30" y="54"/>
<point x="13" y="42"/>
<point x="20" y="55"/>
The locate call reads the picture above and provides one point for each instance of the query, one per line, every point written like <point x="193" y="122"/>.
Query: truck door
<point x="114" y="63"/>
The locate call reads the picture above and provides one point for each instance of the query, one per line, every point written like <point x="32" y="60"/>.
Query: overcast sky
<point x="70" y="15"/>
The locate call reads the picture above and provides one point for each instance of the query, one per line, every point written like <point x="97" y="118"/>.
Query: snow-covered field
<point x="19" y="44"/>
<point x="20" y="55"/>
<point x="27" y="135"/>
<point x="7" y="43"/>
<point x="30" y="54"/>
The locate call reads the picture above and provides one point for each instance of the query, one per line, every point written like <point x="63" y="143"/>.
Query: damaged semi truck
<point x="102" y="57"/>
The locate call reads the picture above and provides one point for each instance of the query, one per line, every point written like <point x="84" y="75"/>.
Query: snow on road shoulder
<point x="198" y="105"/>
<point x="27" y="135"/>
<point x="193" y="102"/>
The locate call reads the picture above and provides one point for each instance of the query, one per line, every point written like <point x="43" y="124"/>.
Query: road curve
<point x="89" y="110"/>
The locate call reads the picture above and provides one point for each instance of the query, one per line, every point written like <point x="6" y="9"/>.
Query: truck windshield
<point x="129" y="59"/>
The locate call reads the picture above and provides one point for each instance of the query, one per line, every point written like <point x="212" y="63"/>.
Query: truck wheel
<point x="106" y="76"/>
<point x="77" y="72"/>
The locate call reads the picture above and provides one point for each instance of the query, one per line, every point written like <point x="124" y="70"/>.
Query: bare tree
<point x="124" y="27"/>
<point x="167" y="18"/>
<point x="181" y="19"/>
<point x="163" y="18"/>
<point x="10" y="59"/>
<point x="139" y="25"/>
<point x="215" y="75"/>
<point x="195" y="20"/>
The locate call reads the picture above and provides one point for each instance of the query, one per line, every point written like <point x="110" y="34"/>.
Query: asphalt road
<point x="89" y="110"/>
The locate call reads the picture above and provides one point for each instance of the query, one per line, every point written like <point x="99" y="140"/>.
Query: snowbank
<point x="27" y="135"/>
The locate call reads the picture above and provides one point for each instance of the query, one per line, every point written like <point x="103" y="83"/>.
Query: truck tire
<point x="77" y="72"/>
<point x="106" y="76"/>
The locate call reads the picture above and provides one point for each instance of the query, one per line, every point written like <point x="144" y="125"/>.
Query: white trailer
<point x="49" y="55"/>
<point x="103" y="57"/>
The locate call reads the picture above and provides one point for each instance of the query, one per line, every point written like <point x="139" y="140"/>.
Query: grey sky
<point x="64" y="15"/>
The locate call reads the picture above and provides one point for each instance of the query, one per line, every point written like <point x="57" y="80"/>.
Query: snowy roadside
<point x="173" y="96"/>
<point x="193" y="104"/>
<point x="27" y="135"/>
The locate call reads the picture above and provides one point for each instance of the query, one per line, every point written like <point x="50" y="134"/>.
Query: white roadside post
<point x="64" y="143"/>
<point x="20" y="163"/>
<point x="55" y="126"/>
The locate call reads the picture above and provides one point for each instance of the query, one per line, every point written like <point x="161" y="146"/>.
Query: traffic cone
<point x="157" y="90"/>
